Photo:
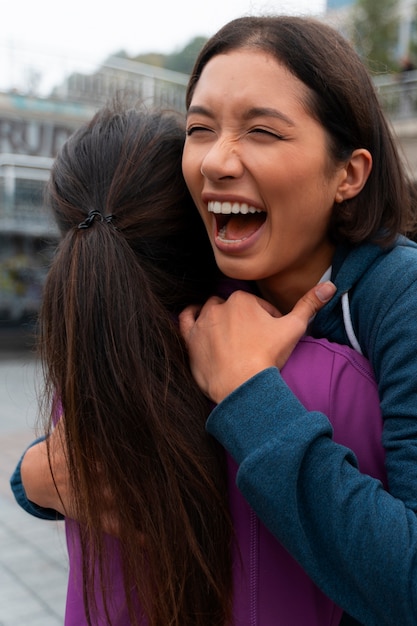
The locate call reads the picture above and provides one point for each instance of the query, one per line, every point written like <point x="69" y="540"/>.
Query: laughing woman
<point x="296" y="176"/>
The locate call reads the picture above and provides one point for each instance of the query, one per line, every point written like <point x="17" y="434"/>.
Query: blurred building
<point x="32" y="130"/>
<point x="136" y="81"/>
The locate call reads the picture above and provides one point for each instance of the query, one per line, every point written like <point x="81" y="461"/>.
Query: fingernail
<point x="325" y="291"/>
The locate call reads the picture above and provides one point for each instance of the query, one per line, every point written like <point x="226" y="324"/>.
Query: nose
<point x="222" y="160"/>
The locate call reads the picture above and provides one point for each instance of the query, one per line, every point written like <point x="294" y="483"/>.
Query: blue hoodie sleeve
<point x="384" y="312"/>
<point x="382" y="288"/>
<point x="21" y="498"/>
<point x="355" y="540"/>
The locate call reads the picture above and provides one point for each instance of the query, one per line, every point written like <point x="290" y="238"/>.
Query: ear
<point x="356" y="172"/>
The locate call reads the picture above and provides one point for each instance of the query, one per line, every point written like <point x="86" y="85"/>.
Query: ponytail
<point x="133" y="416"/>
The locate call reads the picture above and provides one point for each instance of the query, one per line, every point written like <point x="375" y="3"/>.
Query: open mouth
<point x="236" y="221"/>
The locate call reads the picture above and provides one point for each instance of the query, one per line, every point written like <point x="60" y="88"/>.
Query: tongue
<point x="241" y="226"/>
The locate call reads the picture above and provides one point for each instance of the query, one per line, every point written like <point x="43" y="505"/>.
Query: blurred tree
<point x="374" y="32"/>
<point x="179" y="61"/>
<point x="183" y="60"/>
<point x="156" y="59"/>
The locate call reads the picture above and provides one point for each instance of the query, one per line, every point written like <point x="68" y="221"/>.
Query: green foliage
<point x="178" y="61"/>
<point x="183" y="60"/>
<point x="156" y="59"/>
<point x="374" y="33"/>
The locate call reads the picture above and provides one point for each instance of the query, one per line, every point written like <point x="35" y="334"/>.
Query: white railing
<point x="398" y="94"/>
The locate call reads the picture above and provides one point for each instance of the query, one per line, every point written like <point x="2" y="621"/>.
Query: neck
<point x="284" y="292"/>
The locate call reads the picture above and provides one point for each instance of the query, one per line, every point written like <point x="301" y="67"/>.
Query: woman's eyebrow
<point x="267" y="112"/>
<point x="199" y="110"/>
<point x="246" y="115"/>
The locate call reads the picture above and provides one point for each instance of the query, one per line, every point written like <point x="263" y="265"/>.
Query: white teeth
<point x="215" y="207"/>
<point x="226" y="208"/>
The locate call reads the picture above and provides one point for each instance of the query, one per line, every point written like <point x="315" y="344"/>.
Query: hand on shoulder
<point x="231" y="341"/>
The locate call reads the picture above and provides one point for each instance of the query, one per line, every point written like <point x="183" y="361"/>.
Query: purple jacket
<point x="270" y="588"/>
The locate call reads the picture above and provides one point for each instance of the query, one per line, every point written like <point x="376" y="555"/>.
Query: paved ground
<point x="33" y="558"/>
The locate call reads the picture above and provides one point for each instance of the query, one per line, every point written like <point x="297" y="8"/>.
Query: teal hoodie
<point x="357" y="541"/>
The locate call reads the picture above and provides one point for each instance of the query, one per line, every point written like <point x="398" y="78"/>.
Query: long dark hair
<point x="134" y="419"/>
<point x="344" y="100"/>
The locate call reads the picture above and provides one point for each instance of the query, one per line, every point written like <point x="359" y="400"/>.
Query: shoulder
<point x="400" y="261"/>
<point x="401" y="256"/>
<point x="376" y="278"/>
<point x="338" y="354"/>
<point x="339" y="382"/>
<point x="388" y="283"/>
<point x="320" y="367"/>
<point x="351" y="264"/>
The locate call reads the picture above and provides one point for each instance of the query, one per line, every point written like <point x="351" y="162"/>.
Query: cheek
<point x="185" y="165"/>
<point x="190" y="158"/>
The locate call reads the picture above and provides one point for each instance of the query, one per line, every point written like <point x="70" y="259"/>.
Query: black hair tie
<point x="91" y="216"/>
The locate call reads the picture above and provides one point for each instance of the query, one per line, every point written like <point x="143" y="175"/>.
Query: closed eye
<point x="266" y="133"/>
<point x="197" y="129"/>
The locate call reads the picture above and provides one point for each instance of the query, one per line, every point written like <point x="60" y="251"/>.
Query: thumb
<point x="314" y="300"/>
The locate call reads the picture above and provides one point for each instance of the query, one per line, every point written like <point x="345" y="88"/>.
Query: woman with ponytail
<point x="133" y="252"/>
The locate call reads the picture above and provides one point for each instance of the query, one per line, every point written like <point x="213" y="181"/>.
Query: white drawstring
<point x="348" y="323"/>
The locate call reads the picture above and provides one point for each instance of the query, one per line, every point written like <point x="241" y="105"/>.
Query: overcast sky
<point x="51" y="35"/>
